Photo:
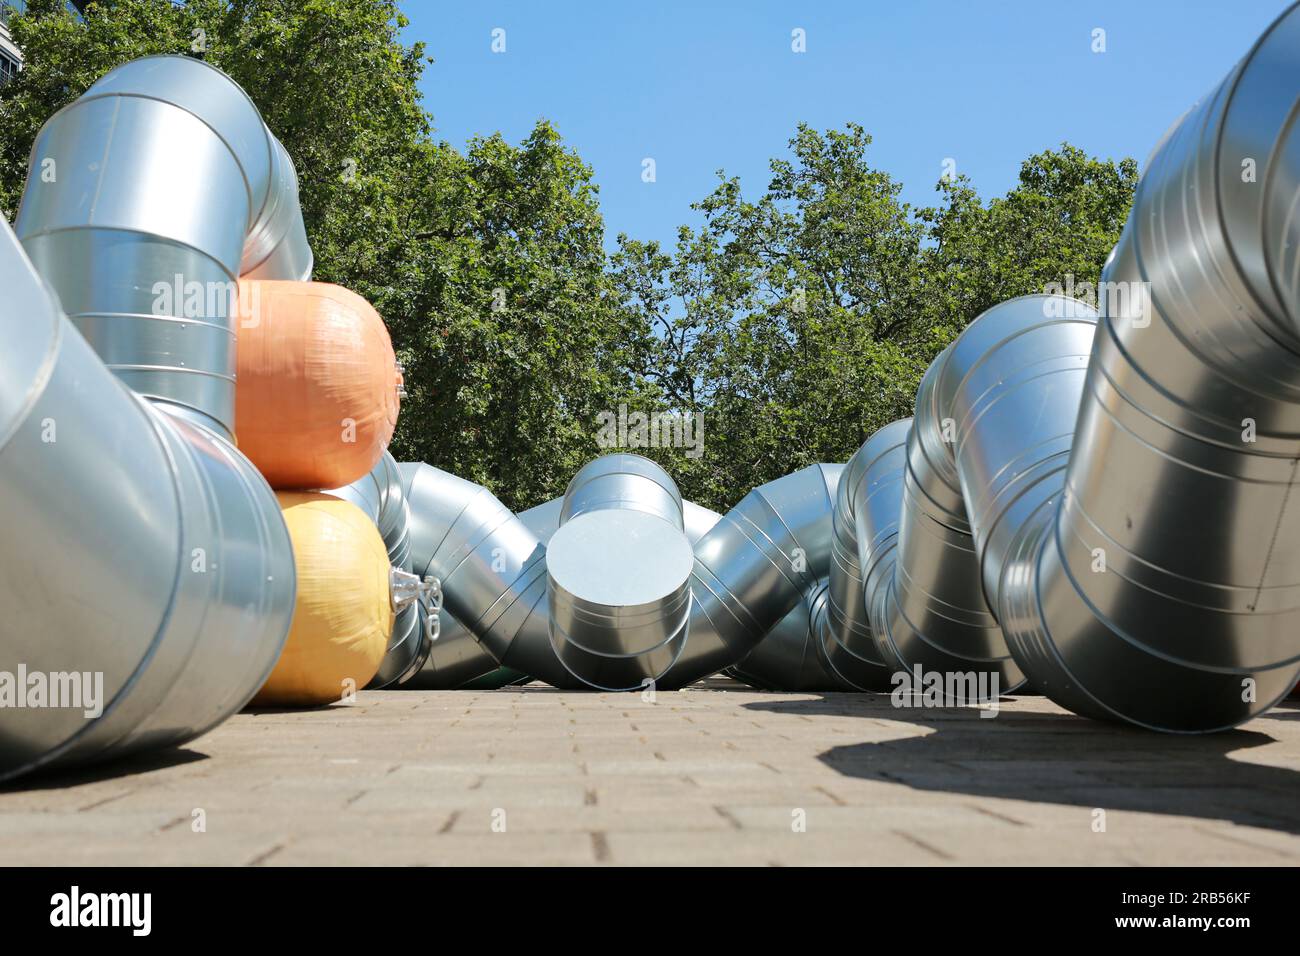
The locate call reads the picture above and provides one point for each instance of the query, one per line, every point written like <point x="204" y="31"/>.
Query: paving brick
<point x="709" y="775"/>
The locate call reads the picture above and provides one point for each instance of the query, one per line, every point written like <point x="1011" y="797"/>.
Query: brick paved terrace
<point x="716" y="774"/>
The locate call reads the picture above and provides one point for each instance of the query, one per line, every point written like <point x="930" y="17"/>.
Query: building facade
<point x="11" y="61"/>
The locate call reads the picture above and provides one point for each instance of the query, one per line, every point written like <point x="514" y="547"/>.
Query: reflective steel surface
<point x="1165" y="589"/>
<point x="457" y="659"/>
<point x="493" y="574"/>
<point x="868" y="503"/>
<point x="168" y="579"/>
<point x="380" y="494"/>
<point x="791" y="656"/>
<point x="754" y="567"/>
<point x="933" y="614"/>
<point x="146" y="199"/>
<point x="619" y="574"/>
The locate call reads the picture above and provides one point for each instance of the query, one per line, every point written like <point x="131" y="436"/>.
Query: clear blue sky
<point x="702" y="86"/>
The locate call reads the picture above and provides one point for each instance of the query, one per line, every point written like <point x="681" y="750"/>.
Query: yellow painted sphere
<point x="343" y="618"/>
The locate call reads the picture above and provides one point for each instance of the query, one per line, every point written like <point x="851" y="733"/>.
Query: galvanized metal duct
<point x="1145" y="583"/>
<point x="460" y="526"/>
<point x="766" y="563"/>
<point x="1122" y="501"/>
<point x="934" y="611"/>
<point x="147" y="198"/>
<point x="868" y="503"/>
<point x="381" y="496"/>
<point x="753" y="568"/>
<point x="493" y="574"/>
<point x="457" y="658"/>
<point x="619" y="574"/>
<point x="1165" y="589"/>
<point x="166" y="579"/>
<point x="791" y="657"/>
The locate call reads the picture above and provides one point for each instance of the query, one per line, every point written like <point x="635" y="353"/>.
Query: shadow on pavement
<point x="1063" y="759"/>
<point x="94" y="773"/>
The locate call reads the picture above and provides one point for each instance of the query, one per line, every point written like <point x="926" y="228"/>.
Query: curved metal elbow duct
<point x="494" y="565"/>
<point x="380" y="494"/>
<point x="754" y="567"/>
<point x="619" y="574"/>
<point x="868" y="503"/>
<point x="147" y="198"/>
<point x="1165" y="588"/>
<point x="167" y="581"/>
<point x="497" y="582"/>
<point x="1124" y="499"/>
<point x="1103" y="505"/>
<point x="791" y="657"/>
<point x="493" y="573"/>
<point x="456" y="658"/>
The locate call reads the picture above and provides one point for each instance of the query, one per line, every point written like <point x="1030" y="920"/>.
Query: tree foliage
<point x="800" y="321"/>
<point x="487" y="265"/>
<point x="795" y="321"/>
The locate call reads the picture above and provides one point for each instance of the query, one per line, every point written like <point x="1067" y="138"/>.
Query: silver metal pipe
<point x="167" y="580"/>
<point x="492" y="568"/>
<point x="933" y="612"/>
<point x="457" y="658"/>
<point x="1164" y="589"/>
<point x="791" y="657"/>
<point x="868" y="503"/>
<point x="619" y="574"/>
<point x="147" y="198"/>
<point x="381" y="496"/>
<point x="623" y="482"/>
<point x="754" y="567"/>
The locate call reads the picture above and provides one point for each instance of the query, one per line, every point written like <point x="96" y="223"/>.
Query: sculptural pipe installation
<point x="1112" y="515"/>
<point x="741" y="576"/>
<point x="188" y="191"/>
<point x="381" y="496"/>
<point x="172" y="576"/>
<point x="1125" y="501"/>
<point x="1098" y="503"/>
<point x="457" y="658"/>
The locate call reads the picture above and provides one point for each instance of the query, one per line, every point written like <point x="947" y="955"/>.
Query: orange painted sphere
<point x="316" y="383"/>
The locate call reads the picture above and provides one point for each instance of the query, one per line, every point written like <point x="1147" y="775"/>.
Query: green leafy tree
<point x="1060" y="221"/>
<point x="801" y="321"/>
<point x="488" y="267"/>
<point x="518" y="342"/>
<point x="795" y="322"/>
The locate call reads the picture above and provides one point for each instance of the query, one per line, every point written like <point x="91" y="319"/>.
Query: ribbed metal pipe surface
<point x="456" y="657"/>
<point x="868" y="502"/>
<point x="146" y="199"/>
<point x="753" y="568"/>
<point x="492" y="568"/>
<point x="791" y="658"/>
<point x="619" y="574"/>
<point x="381" y="495"/>
<point x="140" y="551"/>
<point x="1165" y="589"/>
